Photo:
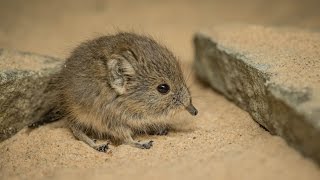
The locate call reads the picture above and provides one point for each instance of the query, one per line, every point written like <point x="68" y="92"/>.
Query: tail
<point x="52" y="115"/>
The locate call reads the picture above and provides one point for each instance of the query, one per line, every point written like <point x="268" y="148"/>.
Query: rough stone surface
<point x="23" y="85"/>
<point x="273" y="73"/>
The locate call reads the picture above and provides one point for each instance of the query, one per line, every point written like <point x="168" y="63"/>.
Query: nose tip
<point x="192" y="110"/>
<point x="195" y="112"/>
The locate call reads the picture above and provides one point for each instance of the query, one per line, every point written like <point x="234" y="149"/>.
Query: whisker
<point x="191" y="72"/>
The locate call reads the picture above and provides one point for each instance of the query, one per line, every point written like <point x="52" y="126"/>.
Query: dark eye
<point x="163" y="88"/>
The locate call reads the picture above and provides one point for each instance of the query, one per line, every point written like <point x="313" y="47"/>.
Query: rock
<point x="273" y="73"/>
<point x="23" y="88"/>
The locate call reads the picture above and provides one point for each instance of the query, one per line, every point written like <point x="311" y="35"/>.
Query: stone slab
<point x="23" y="88"/>
<point x="273" y="73"/>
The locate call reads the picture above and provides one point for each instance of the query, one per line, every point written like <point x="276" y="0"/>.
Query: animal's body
<point x="119" y="85"/>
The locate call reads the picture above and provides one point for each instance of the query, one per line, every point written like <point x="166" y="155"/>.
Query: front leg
<point x="139" y="144"/>
<point x="80" y="135"/>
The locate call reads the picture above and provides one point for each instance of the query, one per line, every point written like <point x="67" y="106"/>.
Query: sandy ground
<point x="224" y="142"/>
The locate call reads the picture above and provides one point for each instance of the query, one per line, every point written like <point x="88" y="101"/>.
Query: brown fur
<point x="108" y="87"/>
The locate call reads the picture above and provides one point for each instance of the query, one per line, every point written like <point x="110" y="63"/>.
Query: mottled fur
<point x="108" y="87"/>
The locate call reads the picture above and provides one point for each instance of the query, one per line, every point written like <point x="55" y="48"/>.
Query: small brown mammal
<point x="117" y="86"/>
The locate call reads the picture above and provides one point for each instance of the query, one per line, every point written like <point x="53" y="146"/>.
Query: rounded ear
<point x="119" y="67"/>
<point x="127" y="68"/>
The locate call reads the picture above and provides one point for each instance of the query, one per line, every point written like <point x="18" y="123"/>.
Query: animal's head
<point x="148" y="74"/>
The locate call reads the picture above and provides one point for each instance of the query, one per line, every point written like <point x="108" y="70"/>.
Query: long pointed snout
<point x="192" y="110"/>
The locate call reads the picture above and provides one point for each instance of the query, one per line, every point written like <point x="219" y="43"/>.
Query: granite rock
<point x="24" y="79"/>
<point x="273" y="73"/>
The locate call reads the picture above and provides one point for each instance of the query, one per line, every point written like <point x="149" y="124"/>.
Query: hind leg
<point x="80" y="135"/>
<point x="51" y="115"/>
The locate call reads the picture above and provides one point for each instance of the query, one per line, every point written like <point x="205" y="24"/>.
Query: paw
<point x="102" y="147"/>
<point x="35" y="125"/>
<point x="145" y="145"/>
<point x="162" y="132"/>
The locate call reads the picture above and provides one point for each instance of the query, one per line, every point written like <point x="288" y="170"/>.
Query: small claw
<point x="147" y="145"/>
<point x="163" y="132"/>
<point x="33" y="125"/>
<point x="102" y="148"/>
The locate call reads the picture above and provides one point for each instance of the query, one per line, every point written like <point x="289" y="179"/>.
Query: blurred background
<point x="55" y="27"/>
